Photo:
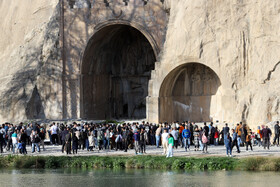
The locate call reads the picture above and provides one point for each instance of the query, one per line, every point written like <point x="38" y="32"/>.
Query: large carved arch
<point x="115" y="71"/>
<point x="188" y="92"/>
<point x="81" y="21"/>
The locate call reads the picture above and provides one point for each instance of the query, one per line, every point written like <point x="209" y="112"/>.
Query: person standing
<point x="234" y="141"/>
<point x="35" y="140"/>
<point x="75" y="142"/>
<point x="164" y="138"/>
<point x="244" y="133"/>
<point x="200" y="139"/>
<point x="196" y="139"/>
<point x="143" y="140"/>
<point x="204" y="142"/>
<point x="228" y="142"/>
<point x="158" y="131"/>
<point x="90" y="141"/>
<point x="28" y="133"/>
<point x="125" y="132"/>
<point x="249" y="141"/>
<point x="118" y="140"/>
<point x="212" y="134"/>
<point x="23" y="139"/>
<point x="239" y="133"/>
<point x="266" y="134"/>
<point x="54" y="137"/>
<point x="42" y="135"/>
<point x="216" y="136"/>
<point x="9" y="138"/>
<point x="225" y="131"/>
<point x="175" y="135"/>
<point x="107" y="138"/>
<point x="14" y="141"/>
<point x="181" y="128"/>
<point x="68" y="140"/>
<point x="206" y="129"/>
<point x="136" y="137"/>
<point x="2" y="135"/>
<point x="276" y="133"/>
<point x="191" y="128"/>
<point x="186" y="134"/>
<point x="170" y="146"/>
<point x="259" y="136"/>
<point x="63" y="136"/>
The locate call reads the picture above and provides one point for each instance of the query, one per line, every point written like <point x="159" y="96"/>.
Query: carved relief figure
<point x="187" y="88"/>
<point x="207" y="79"/>
<point x="196" y="83"/>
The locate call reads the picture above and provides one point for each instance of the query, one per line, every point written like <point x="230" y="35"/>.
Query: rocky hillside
<point x="29" y="56"/>
<point x="240" y="41"/>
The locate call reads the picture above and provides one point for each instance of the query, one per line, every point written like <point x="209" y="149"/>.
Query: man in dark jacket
<point x="234" y="141"/>
<point x="206" y="129"/>
<point x="143" y="140"/>
<point x="276" y="132"/>
<point x="266" y="132"/>
<point x="23" y="139"/>
<point x="125" y="133"/>
<point x="63" y="135"/>
<point x="68" y="140"/>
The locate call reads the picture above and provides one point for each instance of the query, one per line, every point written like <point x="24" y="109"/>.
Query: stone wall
<point x="30" y="67"/>
<point x="237" y="40"/>
<point x="81" y="25"/>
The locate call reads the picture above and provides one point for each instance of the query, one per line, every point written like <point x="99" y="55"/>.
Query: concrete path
<point x="152" y="150"/>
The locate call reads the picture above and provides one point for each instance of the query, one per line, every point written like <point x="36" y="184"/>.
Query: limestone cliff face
<point x="239" y="40"/>
<point x="29" y="59"/>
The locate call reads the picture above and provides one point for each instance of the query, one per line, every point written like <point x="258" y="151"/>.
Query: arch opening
<point x="115" y="72"/>
<point x="189" y="92"/>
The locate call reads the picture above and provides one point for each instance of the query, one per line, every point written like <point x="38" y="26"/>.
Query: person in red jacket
<point x="216" y="136"/>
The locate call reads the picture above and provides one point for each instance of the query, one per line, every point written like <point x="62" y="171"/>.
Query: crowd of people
<point x="121" y="137"/>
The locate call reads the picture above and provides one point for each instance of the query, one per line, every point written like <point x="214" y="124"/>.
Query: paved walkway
<point x="152" y="150"/>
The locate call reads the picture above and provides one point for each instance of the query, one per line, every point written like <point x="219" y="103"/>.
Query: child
<point x="20" y="147"/>
<point x="204" y="140"/>
<point x="170" y="146"/>
<point x="249" y="141"/>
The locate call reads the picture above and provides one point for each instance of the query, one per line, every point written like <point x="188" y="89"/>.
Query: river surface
<point x="143" y="178"/>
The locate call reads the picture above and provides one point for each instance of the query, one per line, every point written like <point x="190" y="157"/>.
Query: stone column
<point x="152" y="109"/>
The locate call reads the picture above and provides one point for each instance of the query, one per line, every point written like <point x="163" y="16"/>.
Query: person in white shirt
<point x="164" y="139"/>
<point x="54" y="137"/>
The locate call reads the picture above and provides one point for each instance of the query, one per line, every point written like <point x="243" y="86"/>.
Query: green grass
<point x="143" y="162"/>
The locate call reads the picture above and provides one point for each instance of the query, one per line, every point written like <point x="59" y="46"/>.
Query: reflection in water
<point x="85" y="177"/>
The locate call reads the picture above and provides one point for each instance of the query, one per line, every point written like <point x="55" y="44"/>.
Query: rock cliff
<point x="29" y="59"/>
<point x="239" y="40"/>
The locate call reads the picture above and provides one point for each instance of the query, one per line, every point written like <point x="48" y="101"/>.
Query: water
<point x="79" y="177"/>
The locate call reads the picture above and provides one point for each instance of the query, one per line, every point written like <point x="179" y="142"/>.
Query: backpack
<point x="204" y="139"/>
<point x="118" y="139"/>
<point x="37" y="138"/>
